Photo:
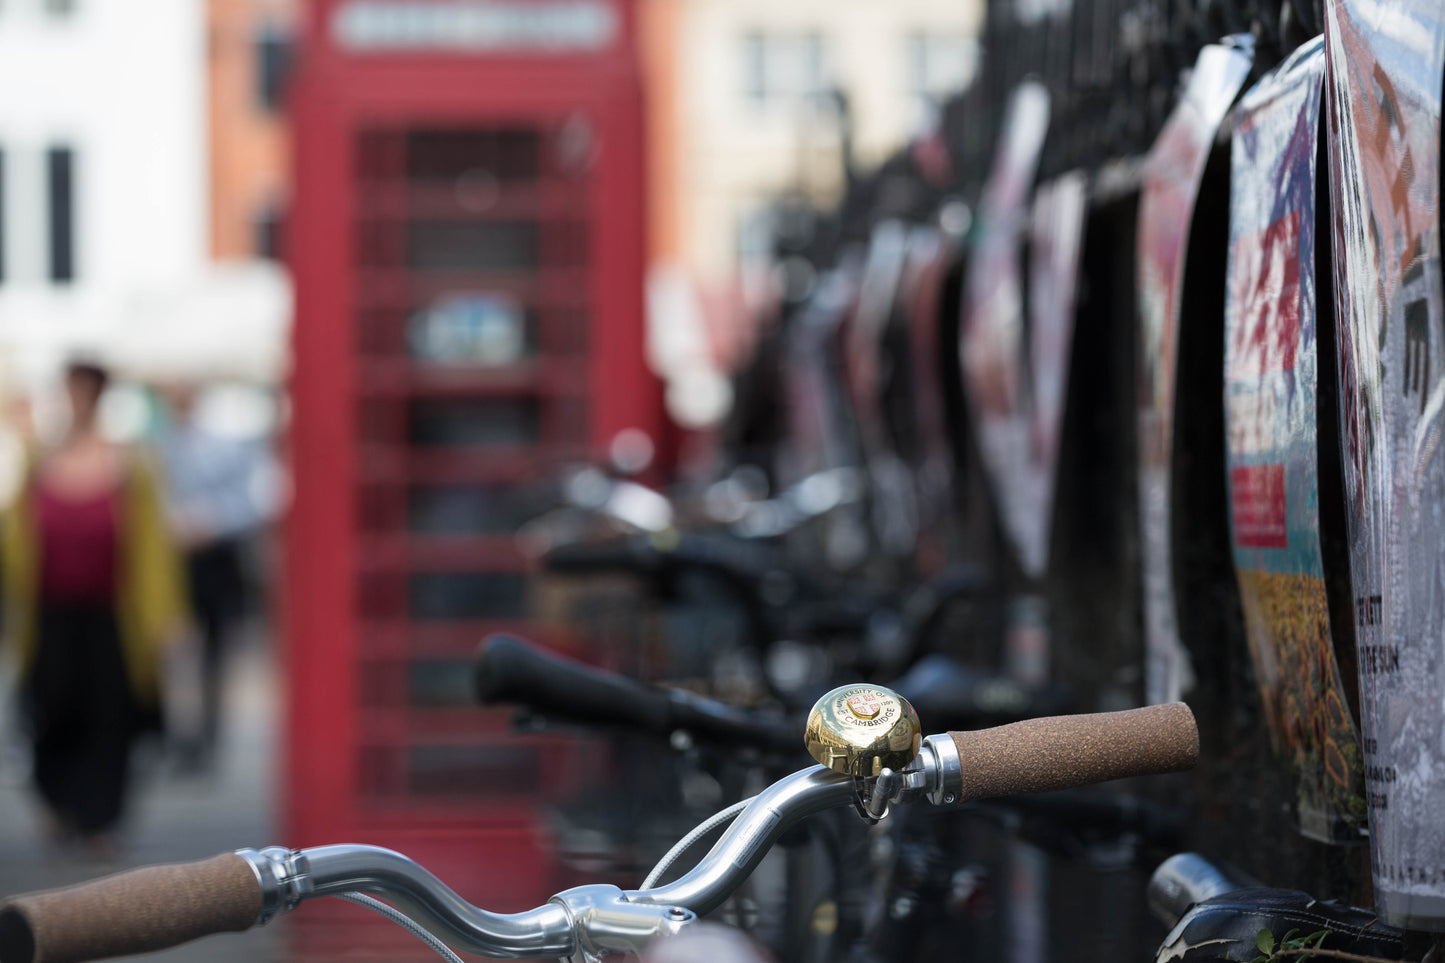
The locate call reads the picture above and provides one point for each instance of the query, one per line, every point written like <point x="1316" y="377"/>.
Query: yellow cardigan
<point x="150" y="594"/>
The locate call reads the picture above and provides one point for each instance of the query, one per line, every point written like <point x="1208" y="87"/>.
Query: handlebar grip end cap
<point x="17" y="942"/>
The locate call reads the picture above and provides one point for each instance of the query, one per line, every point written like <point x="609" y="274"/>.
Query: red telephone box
<point x="466" y="237"/>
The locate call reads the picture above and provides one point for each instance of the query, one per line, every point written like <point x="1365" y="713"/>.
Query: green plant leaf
<point x="1264" y="939"/>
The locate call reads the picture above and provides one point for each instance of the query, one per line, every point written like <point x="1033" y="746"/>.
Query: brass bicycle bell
<point x="861" y="729"/>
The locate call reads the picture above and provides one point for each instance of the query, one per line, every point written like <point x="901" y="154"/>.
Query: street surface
<point x="173" y="815"/>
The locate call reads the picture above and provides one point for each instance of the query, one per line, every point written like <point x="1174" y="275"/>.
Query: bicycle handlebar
<point x="590" y="558"/>
<point x="743" y="567"/>
<point x="159" y="907"/>
<point x="511" y="670"/>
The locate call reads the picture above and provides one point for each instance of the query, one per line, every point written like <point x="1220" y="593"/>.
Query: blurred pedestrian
<point x="92" y="592"/>
<point x="220" y="491"/>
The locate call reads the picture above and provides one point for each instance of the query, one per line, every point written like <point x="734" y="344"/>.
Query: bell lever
<point x="884" y="790"/>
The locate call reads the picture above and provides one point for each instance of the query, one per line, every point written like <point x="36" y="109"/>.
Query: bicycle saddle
<point x="1228" y="927"/>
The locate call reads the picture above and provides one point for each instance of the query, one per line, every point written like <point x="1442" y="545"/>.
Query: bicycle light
<point x="860" y="730"/>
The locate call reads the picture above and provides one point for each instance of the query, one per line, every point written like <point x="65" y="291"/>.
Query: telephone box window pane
<point x="380" y="685"/>
<point x="569" y="245"/>
<point x="381" y="421"/>
<point x="450" y="245"/>
<point x="574" y="418"/>
<point x="474" y="422"/>
<point x="379" y="509"/>
<point x="377" y="772"/>
<point x="489" y="770"/>
<point x="441" y="684"/>
<point x="483" y="328"/>
<point x="568" y="332"/>
<point x="379" y="155"/>
<point x="449" y="156"/>
<point x="381" y="331"/>
<point x="468" y="595"/>
<point x="470" y="509"/>
<point x="381" y="596"/>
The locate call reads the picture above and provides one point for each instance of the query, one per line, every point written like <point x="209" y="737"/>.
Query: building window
<point x="2" y="215"/>
<point x="939" y="65"/>
<point x="784" y="68"/>
<point x="269" y="225"/>
<point x="273" y="62"/>
<point x="60" y="191"/>
<point x="755" y="67"/>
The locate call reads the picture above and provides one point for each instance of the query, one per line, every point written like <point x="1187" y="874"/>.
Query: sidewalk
<point x="173" y="816"/>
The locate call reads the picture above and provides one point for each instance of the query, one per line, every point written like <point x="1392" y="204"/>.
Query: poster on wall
<point x="993" y="337"/>
<point x="1385" y="65"/>
<point x="1056" y="232"/>
<point x="928" y="449"/>
<point x="820" y="422"/>
<point x="869" y="365"/>
<point x="1172" y="174"/>
<point x="1270" y="400"/>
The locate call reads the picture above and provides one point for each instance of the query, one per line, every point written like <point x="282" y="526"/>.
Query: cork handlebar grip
<point x="1062" y="752"/>
<point x="137" y="911"/>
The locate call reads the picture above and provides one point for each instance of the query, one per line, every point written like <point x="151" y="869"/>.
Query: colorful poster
<point x="893" y="507"/>
<point x="1172" y="173"/>
<point x="1270" y="398"/>
<point x="821" y="425"/>
<point x="928" y="448"/>
<point x="817" y="426"/>
<point x="1056" y="230"/>
<point x="994" y="343"/>
<point x="1386" y="60"/>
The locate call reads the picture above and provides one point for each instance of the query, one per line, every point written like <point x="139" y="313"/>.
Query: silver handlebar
<point x="586" y="922"/>
<point x="750" y="837"/>
<point x="290" y="877"/>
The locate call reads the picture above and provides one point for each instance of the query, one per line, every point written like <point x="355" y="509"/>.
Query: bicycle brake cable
<point x="405" y="922"/>
<point x="688" y="841"/>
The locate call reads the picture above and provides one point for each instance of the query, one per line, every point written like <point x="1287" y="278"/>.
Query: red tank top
<point x="78" y="541"/>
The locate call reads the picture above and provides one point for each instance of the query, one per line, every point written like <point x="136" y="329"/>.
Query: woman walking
<point x="92" y="594"/>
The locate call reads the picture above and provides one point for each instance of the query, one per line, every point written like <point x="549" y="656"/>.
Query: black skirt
<point x="83" y="717"/>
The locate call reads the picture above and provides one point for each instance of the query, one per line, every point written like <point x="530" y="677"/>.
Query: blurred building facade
<point x="248" y="60"/>
<point x="749" y="99"/>
<point x="105" y="199"/>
